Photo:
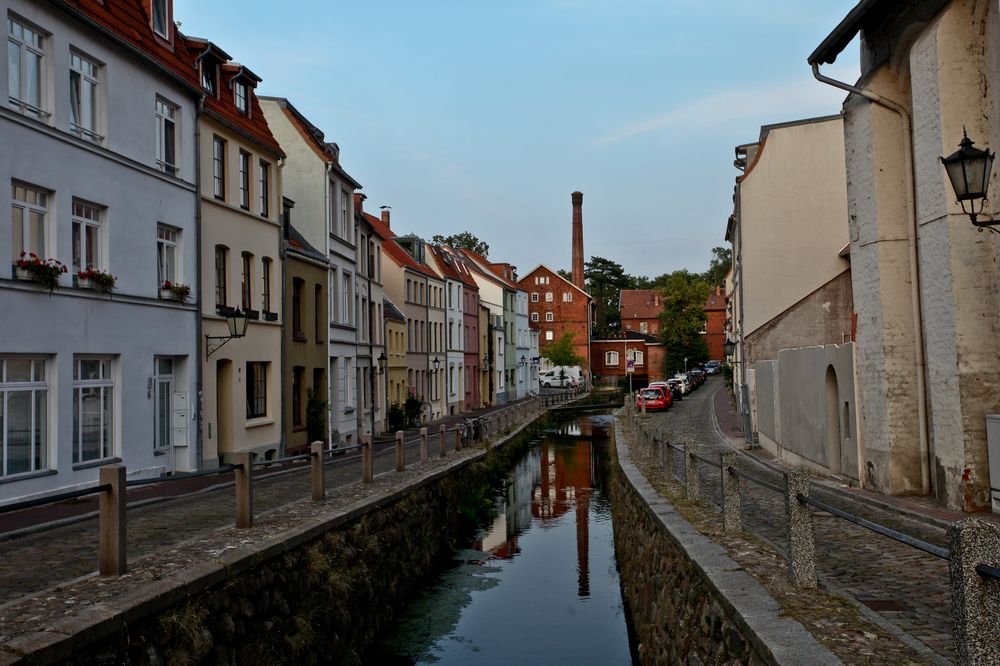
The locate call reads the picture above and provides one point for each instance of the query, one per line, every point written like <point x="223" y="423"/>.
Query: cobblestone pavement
<point x="906" y="587"/>
<point x="70" y="551"/>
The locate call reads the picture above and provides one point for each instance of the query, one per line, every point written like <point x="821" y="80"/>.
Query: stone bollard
<point x="975" y="598"/>
<point x="113" y="522"/>
<point x="443" y="433"/>
<point x="367" y="470"/>
<point x="801" y="546"/>
<point x="668" y="457"/>
<point x="424" y="452"/>
<point x="458" y="439"/>
<point x="244" y="489"/>
<point x="731" y="519"/>
<point x="316" y="451"/>
<point x="400" y="452"/>
<point x="693" y="483"/>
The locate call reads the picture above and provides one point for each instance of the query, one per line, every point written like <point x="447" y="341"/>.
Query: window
<point x="166" y="253"/>
<point x="297" y="395"/>
<point x="240" y="97"/>
<point x="86" y="236"/>
<point x="642" y="327"/>
<point x="28" y="215"/>
<point x="246" y="282"/>
<point x="534" y="297"/>
<point x="244" y="180"/>
<point x="208" y="77"/>
<point x="345" y="316"/>
<point x="297" y="285"/>
<point x="265" y="293"/>
<point x="221" y="271"/>
<point x="549" y="316"/>
<point x="639" y="356"/>
<point x="350" y="382"/>
<point x="548" y="297"/>
<point x="567" y="297"/>
<point x="334" y="303"/>
<point x="25" y="56"/>
<point x="166" y="131"/>
<point x="262" y="184"/>
<point x="318" y="312"/>
<point x="219" y="168"/>
<point x="343" y="214"/>
<point x="163" y="385"/>
<point x="93" y="411"/>
<point x="611" y="358"/>
<point x="161" y="21"/>
<point x="83" y="82"/>
<point x="23" y="416"/>
<point x="548" y="335"/>
<point x="257" y="389"/>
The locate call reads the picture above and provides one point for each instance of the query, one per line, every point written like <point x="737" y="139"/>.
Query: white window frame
<point x="549" y="298"/>
<point x="252" y="382"/>
<point x="105" y="385"/>
<point x="549" y="336"/>
<point x="85" y="71"/>
<point x="611" y="359"/>
<point x="639" y="357"/>
<point x="86" y="217"/>
<point x="38" y="436"/>
<point x="567" y="297"/>
<point x="165" y="114"/>
<point x="219" y="167"/>
<point x="244" y="167"/>
<point x="263" y="182"/>
<point x="534" y="316"/>
<point x="549" y="316"/>
<point x="167" y="243"/>
<point x="24" y="39"/>
<point x="163" y="390"/>
<point x="241" y="97"/>
<point x="27" y="208"/>
<point x="534" y="297"/>
<point x="343" y="215"/>
<point x="163" y="8"/>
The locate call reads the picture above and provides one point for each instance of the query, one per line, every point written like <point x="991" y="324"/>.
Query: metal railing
<point x="975" y="584"/>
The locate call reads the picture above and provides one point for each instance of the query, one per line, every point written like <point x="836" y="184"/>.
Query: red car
<point x="655" y="398"/>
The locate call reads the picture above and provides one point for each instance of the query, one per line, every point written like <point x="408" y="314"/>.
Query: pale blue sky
<point x="483" y="116"/>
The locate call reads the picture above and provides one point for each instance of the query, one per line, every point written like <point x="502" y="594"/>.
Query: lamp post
<point x="437" y="367"/>
<point x="382" y="360"/>
<point x="969" y="170"/>
<point x="237" y="321"/>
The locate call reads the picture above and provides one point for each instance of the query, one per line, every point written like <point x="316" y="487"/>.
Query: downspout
<point x="283" y="254"/>
<point x="327" y="224"/>
<point x="200" y="369"/>
<point x="918" y="328"/>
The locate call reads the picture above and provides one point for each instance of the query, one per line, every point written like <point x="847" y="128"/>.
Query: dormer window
<point x="240" y="97"/>
<point x="161" y="19"/>
<point x="208" y="77"/>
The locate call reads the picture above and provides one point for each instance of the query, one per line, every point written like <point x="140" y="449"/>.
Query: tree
<point x="605" y="280"/>
<point x="315" y="416"/>
<point x="562" y="352"/>
<point x="565" y="274"/>
<point x="464" y="241"/>
<point x="683" y="318"/>
<point x="718" y="267"/>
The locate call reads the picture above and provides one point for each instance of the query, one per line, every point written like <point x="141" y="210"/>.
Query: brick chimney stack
<point x="385" y="216"/>
<point x="578" y="239"/>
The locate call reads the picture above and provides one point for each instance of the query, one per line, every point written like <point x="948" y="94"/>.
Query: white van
<point x="560" y="377"/>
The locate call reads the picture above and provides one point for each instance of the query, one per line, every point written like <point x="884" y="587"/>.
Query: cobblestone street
<point x="905" y="586"/>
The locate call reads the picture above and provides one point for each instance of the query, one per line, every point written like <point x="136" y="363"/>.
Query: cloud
<point x="800" y="98"/>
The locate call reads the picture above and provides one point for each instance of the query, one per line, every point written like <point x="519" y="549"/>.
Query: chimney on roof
<point x="359" y="203"/>
<point x="385" y="215"/>
<point x="577" y="198"/>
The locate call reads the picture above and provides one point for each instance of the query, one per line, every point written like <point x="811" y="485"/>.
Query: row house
<point x="324" y="203"/>
<point x="472" y="322"/>
<point x="240" y="227"/>
<point x="493" y="296"/>
<point x="395" y="350"/>
<point x="368" y="303"/>
<point x="102" y="104"/>
<point x="557" y="306"/>
<point x="455" y="339"/>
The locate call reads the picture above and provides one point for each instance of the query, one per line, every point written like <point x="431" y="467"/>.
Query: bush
<point x="397" y="417"/>
<point x="727" y="376"/>
<point x="315" y="416"/>
<point x="413" y="408"/>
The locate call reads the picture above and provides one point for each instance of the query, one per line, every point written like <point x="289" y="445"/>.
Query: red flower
<point x="166" y="284"/>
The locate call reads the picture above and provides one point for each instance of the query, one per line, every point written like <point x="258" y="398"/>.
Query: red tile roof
<point x="403" y="258"/>
<point x="129" y="22"/>
<point x="482" y="266"/>
<point x="461" y="266"/>
<point x="383" y="232"/>
<point x="639" y="304"/>
<point x="716" y="300"/>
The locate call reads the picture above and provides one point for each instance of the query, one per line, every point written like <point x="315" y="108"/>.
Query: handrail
<point x="919" y="544"/>
<point x="221" y="469"/>
<point x="760" y="482"/>
<point x="278" y="461"/>
<point x="707" y="461"/>
<point x="58" y="497"/>
<point x="987" y="571"/>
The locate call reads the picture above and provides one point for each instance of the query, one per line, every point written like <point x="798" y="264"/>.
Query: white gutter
<point x="918" y="328"/>
<point x="327" y="223"/>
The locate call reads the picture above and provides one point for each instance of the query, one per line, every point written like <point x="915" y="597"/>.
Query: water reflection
<point x="514" y="595"/>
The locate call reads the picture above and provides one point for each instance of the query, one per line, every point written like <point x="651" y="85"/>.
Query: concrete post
<point x="400" y="452"/>
<point x="443" y="433"/>
<point x="113" y="522"/>
<point x="668" y="457"/>
<point x="424" y="452"/>
<point x="244" y="489"/>
<point x="975" y="598"/>
<point x="317" y="467"/>
<point x="801" y="546"/>
<point x="458" y="439"/>
<point x="367" y="470"/>
<point x="693" y="483"/>
<point x="731" y="520"/>
<point x="644" y="409"/>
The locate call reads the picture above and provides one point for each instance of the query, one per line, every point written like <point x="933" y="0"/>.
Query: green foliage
<point x="561" y="351"/>
<point x="397" y="417"/>
<point x="718" y="267"/>
<point x="413" y="408"/>
<point x="683" y="318"/>
<point x="464" y="240"/>
<point x="605" y="279"/>
<point x="564" y="274"/>
<point x="727" y="376"/>
<point x="315" y="416"/>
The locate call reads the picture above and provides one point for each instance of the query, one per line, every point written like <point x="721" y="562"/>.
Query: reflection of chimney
<point x="577" y="198"/>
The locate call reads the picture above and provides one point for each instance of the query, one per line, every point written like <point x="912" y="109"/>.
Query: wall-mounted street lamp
<point x="237" y="321"/>
<point x="729" y="348"/>
<point x="969" y="170"/>
<point x="437" y="363"/>
<point x="524" y="361"/>
<point x="382" y="360"/>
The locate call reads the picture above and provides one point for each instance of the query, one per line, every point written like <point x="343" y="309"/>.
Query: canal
<point x="538" y="583"/>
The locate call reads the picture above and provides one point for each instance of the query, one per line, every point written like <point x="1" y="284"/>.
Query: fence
<point x="973" y="551"/>
<point x="112" y="484"/>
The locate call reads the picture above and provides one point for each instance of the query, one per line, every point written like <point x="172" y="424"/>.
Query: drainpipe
<point x="199" y="369"/>
<point x="283" y="256"/>
<point x="918" y="328"/>
<point x="327" y="224"/>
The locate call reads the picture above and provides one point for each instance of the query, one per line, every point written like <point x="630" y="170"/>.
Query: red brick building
<point x="610" y="356"/>
<point x="715" y="326"/>
<point x="555" y="306"/>
<point x="640" y="310"/>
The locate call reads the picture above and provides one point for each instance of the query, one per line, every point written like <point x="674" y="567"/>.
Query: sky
<point x="484" y="115"/>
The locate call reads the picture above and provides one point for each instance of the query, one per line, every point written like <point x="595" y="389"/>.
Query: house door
<point x="833" y="442"/>
<point x="163" y="391"/>
<point x="224" y="406"/>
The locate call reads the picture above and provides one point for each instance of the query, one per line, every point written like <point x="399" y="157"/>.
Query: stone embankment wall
<point x="689" y="603"/>
<point x="321" y="596"/>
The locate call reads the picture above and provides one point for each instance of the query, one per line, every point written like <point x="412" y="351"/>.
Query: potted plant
<point x="94" y="278"/>
<point x="174" y="291"/>
<point x="45" y="272"/>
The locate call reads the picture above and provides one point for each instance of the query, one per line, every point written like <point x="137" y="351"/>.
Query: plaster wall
<point x="766" y="388"/>
<point x="305" y="351"/>
<point x="522" y="343"/>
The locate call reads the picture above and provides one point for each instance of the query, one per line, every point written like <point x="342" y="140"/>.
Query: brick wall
<point x="569" y="316"/>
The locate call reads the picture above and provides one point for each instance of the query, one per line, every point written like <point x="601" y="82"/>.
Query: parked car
<point x="685" y="384"/>
<point x="653" y="399"/>
<point x="558" y="381"/>
<point x="676" y="389"/>
<point x="713" y="367"/>
<point x="699" y="376"/>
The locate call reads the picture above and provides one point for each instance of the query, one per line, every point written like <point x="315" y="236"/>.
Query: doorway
<point x="833" y="437"/>
<point x="224" y="405"/>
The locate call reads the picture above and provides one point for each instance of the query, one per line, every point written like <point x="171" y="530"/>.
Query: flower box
<point x="270" y="316"/>
<point x="167" y="294"/>
<point x="96" y="279"/>
<point x="174" y="291"/>
<point x="45" y="272"/>
<point x="85" y="283"/>
<point x="22" y="273"/>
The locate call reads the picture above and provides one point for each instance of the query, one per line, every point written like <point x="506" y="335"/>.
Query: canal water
<point x="538" y="584"/>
